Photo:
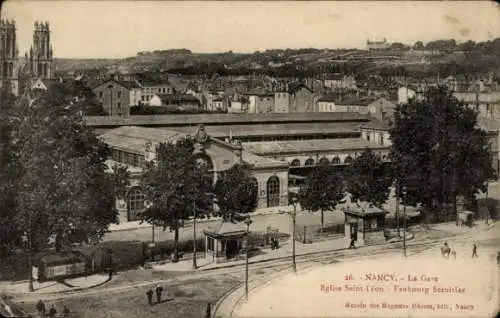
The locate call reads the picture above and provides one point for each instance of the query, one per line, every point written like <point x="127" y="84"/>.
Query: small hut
<point x="365" y="223"/>
<point x="225" y="241"/>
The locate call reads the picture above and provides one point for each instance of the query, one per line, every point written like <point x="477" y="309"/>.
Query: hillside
<point x="476" y="56"/>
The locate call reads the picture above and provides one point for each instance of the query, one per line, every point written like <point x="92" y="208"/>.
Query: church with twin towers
<point x="15" y="72"/>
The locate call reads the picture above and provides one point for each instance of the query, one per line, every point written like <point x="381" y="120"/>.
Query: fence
<point x="317" y="233"/>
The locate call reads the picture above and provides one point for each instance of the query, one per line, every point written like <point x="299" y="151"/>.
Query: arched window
<point x="336" y="161"/>
<point x="348" y="159"/>
<point x="273" y="191"/>
<point x="135" y="203"/>
<point x="324" y="161"/>
<point x="295" y="163"/>
<point x="309" y="162"/>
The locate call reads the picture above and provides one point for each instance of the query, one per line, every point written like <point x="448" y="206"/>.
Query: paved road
<point x="260" y="222"/>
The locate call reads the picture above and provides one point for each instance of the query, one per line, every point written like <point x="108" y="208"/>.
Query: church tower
<point x="9" y="56"/>
<point x="40" y="55"/>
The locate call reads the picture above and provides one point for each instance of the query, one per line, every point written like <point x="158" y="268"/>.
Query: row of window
<point x="158" y="90"/>
<point x="324" y="160"/>
<point x="380" y="138"/>
<point x="118" y="94"/>
<point x="127" y="158"/>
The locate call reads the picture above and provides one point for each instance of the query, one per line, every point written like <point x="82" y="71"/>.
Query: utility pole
<point x="294" y="218"/>
<point x="397" y="207"/>
<point x="195" y="266"/>
<point x="30" y="259"/>
<point x="404" y="223"/>
<point x="248" y="221"/>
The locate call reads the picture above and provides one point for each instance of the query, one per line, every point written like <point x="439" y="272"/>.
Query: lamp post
<point x="30" y="259"/>
<point x="248" y="221"/>
<point x="195" y="265"/>
<point x="404" y="223"/>
<point x="294" y="217"/>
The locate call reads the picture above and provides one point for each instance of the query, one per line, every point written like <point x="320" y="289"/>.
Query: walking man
<point x="453" y="254"/>
<point x="149" y="294"/>
<point x="474" y="251"/>
<point x="40" y="307"/>
<point x="352" y="245"/>
<point x="65" y="312"/>
<point x="159" y="290"/>
<point x="208" y="312"/>
<point x="52" y="311"/>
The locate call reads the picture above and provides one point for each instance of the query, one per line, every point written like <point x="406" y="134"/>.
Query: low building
<point x="487" y="104"/>
<point x="180" y="101"/>
<point x="260" y="103"/>
<point x="116" y="97"/>
<point x="377" y="45"/>
<point x="301" y="98"/>
<point x="382" y="109"/>
<point x="281" y="102"/>
<point x="376" y="133"/>
<point x="336" y="81"/>
<point x="150" y="88"/>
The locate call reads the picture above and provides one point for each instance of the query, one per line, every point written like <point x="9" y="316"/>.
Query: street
<point x="125" y="297"/>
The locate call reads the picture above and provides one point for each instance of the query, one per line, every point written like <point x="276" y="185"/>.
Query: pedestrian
<point x="40" y="306"/>
<point x="110" y="269"/>
<point x="52" y="311"/>
<point x="352" y="245"/>
<point x="453" y="254"/>
<point x="149" y="294"/>
<point x="65" y="312"/>
<point x="208" y="312"/>
<point x="159" y="290"/>
<point x="474" y="251"/>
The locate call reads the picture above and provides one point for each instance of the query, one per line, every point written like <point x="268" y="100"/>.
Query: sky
<point x="117" y="29"/>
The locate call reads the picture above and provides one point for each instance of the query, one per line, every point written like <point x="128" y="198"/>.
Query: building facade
<point x="9" y="61"/>
<point x="301" y="99"/>
<point x="40" y="55"/>
<point x="116" y="97"/>
<point x="150" y="88"/>
<point x="133" y="146"/>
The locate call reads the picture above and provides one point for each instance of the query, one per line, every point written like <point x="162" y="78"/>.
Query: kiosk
<point x="365" y="223"/>
<point x="225" y="241"/>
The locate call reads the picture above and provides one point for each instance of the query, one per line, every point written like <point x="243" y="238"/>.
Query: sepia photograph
<point x="220" y="159"/>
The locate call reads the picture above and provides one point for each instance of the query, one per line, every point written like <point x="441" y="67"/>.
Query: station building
<point x="279" y="149"/>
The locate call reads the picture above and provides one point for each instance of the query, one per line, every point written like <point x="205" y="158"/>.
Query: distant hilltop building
<point x="15" y="73"/>
<point x="377" y="45"/>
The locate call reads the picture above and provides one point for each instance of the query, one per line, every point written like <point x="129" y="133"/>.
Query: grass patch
<point x="188" y="299"/>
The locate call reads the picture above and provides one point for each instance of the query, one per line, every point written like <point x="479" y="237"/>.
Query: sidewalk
<point x="285" y="250"/>
<point x="140" y="225"/>
<point x="445" y="231"/>
<point x="51" y="287"/>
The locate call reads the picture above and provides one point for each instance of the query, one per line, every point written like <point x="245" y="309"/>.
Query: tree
<point x="322" y="191"/>
<point x="236" y="194"/>
<point x="64" y="193"/>
<point x="368" y="180"/>
<point x="419" y="45"/>
<point x="175" y="186"/>
<point x="438" y="150"/>
<point x="10" y="234"/>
